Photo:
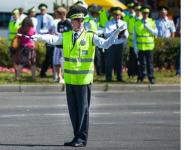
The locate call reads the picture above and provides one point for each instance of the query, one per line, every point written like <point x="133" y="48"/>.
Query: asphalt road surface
<point x="119" y="120"/>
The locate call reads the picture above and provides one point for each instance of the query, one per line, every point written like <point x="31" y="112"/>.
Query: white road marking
<point x="92" y="114"/>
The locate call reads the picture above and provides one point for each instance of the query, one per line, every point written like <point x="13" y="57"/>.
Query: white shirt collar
<point x="79" y="32"/>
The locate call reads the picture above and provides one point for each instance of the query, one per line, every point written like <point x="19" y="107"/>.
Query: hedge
<point x="164" y="54"/>
<point x="5" y="60"/>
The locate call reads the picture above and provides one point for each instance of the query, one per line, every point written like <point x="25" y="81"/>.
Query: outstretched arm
<point x="48" y="38"/>
<point x="106" y="43"/>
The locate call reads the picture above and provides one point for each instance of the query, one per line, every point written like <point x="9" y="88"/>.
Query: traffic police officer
<point x="114" y="53"/>
<point x="92" y="24"/>
<point x="165" y="26"/>
<point x="166" y="29"/>
<point x="131" y="11"/>
<point x="145" y="30"/>
<point x="132" y="63"/>
<point x="45" y="25"/>
<point x="14" y="25"/>
<point x="79" y="50"/>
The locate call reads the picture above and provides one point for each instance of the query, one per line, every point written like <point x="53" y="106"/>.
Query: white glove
<point x="122" y="27"/>
<point x="35" y="37"/>
<point x="38" y="37"/>
<point x="147" y="26"/>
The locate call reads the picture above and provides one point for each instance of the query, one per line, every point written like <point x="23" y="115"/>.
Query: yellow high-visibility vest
<point x="93" y="24"/>
<point x="145" y="40"/>
<point x="130" y="27"/>
<point x="78" y="58"/>
<point x="13" y="29"/>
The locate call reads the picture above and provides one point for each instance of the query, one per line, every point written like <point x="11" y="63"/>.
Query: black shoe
<point x="69" y="143"/>
<point x="140" y="80"/>
<point x="42" y="75"/>
<point x="152" y="81"/>
<point x="120" y="80"/>
<point x="79" y="144"/>
<point x="108" y="80"/>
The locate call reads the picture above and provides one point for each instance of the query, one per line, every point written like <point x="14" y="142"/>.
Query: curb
<point x="95" y="87"/>
<point x="136" y="87"/>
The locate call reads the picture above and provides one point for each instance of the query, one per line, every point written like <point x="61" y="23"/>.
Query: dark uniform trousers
<point x="99" y="61"/>
<point x="178" y="62"/>
<point x="132" y="63"/>
<point x="114" y="60"/>
<point x="78" y="99"/>
<point x="48" y="59"/>
<point x="145" y="59"/>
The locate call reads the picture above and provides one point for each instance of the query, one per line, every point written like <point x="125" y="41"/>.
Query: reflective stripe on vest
<point x="79" y="58"/>
<point x="78" y="72"/>
<point x="144" y="40"/>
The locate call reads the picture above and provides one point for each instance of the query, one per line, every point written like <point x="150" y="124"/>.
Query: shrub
<point x="165" y="52"/>
<point x="5" y="60"/>
<point x="40" y="51"/>
<point x="4" y="53"/>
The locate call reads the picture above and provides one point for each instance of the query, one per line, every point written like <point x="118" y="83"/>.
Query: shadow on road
<point x="31" y="145"/>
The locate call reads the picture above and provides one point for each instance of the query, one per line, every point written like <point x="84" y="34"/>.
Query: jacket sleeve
<point x="151" y="28"/>
<point x="106" y="43"/>
<point x="48" y="38"/>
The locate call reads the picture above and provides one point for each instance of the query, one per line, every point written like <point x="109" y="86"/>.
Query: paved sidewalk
<point x="95" y="87"/>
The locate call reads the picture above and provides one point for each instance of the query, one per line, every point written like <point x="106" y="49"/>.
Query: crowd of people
<point x="138" y="36"/>
<point x="88" y="33"/>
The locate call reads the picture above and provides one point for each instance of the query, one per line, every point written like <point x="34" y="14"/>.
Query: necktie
<point x="75" y="37"/>
<point x="41" y="22"/>
<point x="117" y="24"/>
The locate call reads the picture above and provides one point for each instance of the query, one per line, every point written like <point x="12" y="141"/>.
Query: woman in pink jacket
<point x="26" y="54"/>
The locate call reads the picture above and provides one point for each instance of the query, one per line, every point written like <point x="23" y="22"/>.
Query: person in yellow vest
<point x="131" y="11"/>
<point x="132" y="61"/>
<point x="13" y="28"/>
<point x="79" y="50"/>
<point x="92" y="24"/>
<point x="103" y="18"/>
<point x="14" y="25"/>
<point x="145" y="31"/>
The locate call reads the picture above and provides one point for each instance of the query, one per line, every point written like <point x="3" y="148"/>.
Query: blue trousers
<point x="145" y="64"/>
<point x="78" y="99"/>
<point x="178" y="63"/>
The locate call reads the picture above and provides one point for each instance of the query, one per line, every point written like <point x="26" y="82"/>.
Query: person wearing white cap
<point x="79" y="50"/>
<point x="114" y="53"/>
<point x="14" y="25"/>
<point x="145" y="31"/>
